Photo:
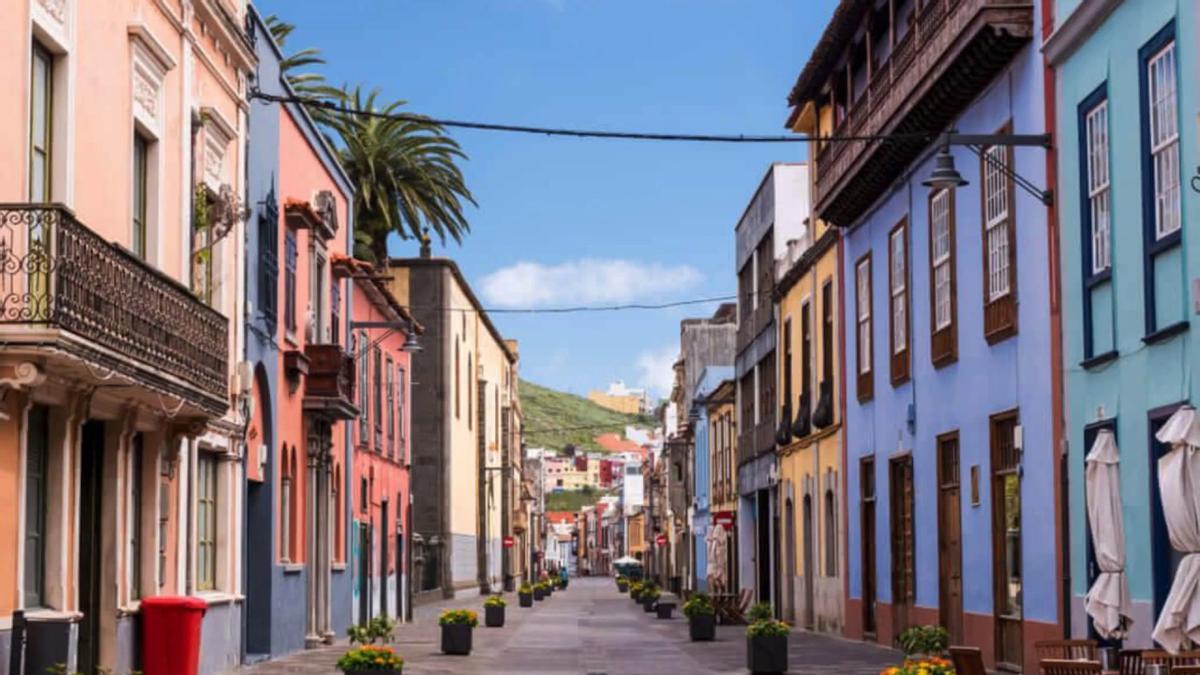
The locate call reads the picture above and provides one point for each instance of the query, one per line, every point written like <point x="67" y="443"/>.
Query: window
<point x="285" y="508"/>
<point x="141" y="151"/>
<point x="391" y="408"/>
<point x="827" y="332"/>
<point x="316" y="300"/>
<point x="1099" y="211"/>
<point x="135" y="517"/>
<point x="787" y="363"/>
<point x="831" y="546"/>
<point x="41" y="117"/>
<point x="378" y="389"/>
<point x="806" y="357"/>
<point x="401" y="395"/>
<point x="862" y="292"/>
<point x="206" y="521"/>
<point x="1164" y="139"/>
<point x="999" y="237"/>
<point x="898" y="291"/>
<point x="289" y="282"/>
<point x="268" y="258"/>
<point x="37" y="455"/>
<point x="335" y="312"/>
<point x="944" y="339"/>
<point x="1006" y="536"/>
<point x="364" y="500"/>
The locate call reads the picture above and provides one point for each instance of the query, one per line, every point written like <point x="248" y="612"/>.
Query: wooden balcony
<point x="949" y="55"/>
<point x="329" y="387"/>
<point x="88" y="309"/>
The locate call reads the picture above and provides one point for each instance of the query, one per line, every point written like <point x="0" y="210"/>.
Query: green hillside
<point x="553" y="419"/>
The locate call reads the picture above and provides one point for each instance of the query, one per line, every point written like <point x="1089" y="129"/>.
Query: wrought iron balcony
<point x="951" y="52"/>
<point x="329" y="387"/>
<point x="67" y="293"/>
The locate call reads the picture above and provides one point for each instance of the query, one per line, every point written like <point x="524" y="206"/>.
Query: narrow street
<point x="590" y="628"/>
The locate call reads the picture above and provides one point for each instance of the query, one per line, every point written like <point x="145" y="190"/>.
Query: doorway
<point x="789" y="528"/>
<point x="866" y="487"/>
<point x="91" y="532"/>
<point x="950" y="601"/>
<point x="763" y="545"/>
<point x="364" y="573"/>
<point x="903" y="543"/>
<point x="810" y="564"/>
<point x="1006" y="539"/>
<point x="383" y="559"/>
<point x="1164" y="557"/>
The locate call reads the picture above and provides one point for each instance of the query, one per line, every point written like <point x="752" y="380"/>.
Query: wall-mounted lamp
<point x="946" y="176"/>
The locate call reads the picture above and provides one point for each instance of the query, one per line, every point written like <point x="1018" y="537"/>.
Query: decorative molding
<point x="1076" y="29"/>
<point x="141" y="35"/>
<point x="218" y="134"/>
<point x="55" y="9"/>
<point x="20" y="375"/>
<point x="149" y="65"/>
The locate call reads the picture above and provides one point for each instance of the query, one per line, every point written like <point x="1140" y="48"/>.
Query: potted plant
<point x="457" y="627"/>
<point x="702" y="617"/>
<point x="650" y="595"/>
<point x="766" y="642"/>
<point x="622" y="584"/>
<point x="664" y="609"/>
<point x="493" y="611"/>
<point x="922" y="641"/>
<point x="635" y="591"/>
<point x="539" y="592"/>
<point x="928" y="666"/>
<point x="372" y="659"/>
<point x="525" y="595"/>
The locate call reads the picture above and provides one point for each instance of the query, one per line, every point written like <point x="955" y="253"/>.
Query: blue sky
<point x="572" y="221"/>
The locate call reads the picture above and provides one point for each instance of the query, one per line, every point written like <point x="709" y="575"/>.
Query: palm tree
<point x="403" y="168"/>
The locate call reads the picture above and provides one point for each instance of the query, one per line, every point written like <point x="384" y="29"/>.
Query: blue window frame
<point x="1095" y="210"/>
<point x="268" y="255"/>
<point x="1159" y="235"/>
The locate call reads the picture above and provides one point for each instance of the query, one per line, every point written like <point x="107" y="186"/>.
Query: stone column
<point x="313" y="635"/>
<point x="325" y="536"/>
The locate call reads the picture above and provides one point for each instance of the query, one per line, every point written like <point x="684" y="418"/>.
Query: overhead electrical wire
<point x="588" y="133"/>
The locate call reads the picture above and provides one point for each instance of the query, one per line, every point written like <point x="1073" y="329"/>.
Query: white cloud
<point x="584" y="282"/>
<point x="656" y="369"/>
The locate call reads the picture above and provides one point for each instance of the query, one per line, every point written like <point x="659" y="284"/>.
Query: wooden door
<point x="950" y="602"/>
<point x="1006" y="540"/>
<point x="91" y="546"/>
<point x="903" y="543"/>
<point x="810" y="565"/>
<point x="867" y="533"/>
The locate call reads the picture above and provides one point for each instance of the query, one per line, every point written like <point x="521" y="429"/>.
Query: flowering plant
<point x="929" y="666"/>
<point x="768" y="628"/>
<point x="635" y="589"/>
<point x="370" y="657"/>
<point x="457" y="617"/>
<point x="650" y="591"/>
<point x="699" y="605"/>
<point x="525" y="589"/>
<point x="496" y="600"/>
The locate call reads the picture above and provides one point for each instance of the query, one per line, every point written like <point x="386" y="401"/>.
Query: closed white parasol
<point x="716" y="546"/>
<point x="1178" y="625"/>
<point x="1108" y="599"/>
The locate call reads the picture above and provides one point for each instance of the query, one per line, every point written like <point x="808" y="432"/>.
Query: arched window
<point x="285" y="508"/>
<point x="293" y="509"/>
<point x="831" y="552"/>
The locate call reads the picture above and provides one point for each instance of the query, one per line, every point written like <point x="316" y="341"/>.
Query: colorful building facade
<point x="702" y="473"/>
<point x="721" y="407"/>
<point x="952" y="394"/>
<point x="1126" y="93"/>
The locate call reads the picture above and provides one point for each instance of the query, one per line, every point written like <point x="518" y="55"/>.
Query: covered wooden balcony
<point x="938" y="56"/>
<point x="81" y="309"/>
<point x="329" y="386"/>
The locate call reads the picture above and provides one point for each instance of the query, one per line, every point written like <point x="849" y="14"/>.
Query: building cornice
<point x="1080" y="25"/>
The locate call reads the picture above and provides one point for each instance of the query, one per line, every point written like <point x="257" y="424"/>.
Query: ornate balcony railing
<point x="55" y="273"/>
<point x="951" y="51"/>
<point x="329" y="387"/>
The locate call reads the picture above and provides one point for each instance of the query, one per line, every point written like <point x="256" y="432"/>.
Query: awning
<point x="1107" y="601"/>
<point x="1178" y="625"/>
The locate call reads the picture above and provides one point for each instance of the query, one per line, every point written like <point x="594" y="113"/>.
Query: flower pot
<point x="622" y="587"/>
<point x="664" y="609"/>
<point x="767" y="654"/>
<point x="493" y="617"/>
<point x="539" y="594"/>
<point x="648" y="604"/>
<point x="456" y="639"/>
<point x="702" y="628"/>
<point x="526" y="599"/>
<point x="372" y="672"/>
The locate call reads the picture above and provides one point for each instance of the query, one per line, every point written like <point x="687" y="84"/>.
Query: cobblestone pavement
<point x="590" y="628"/>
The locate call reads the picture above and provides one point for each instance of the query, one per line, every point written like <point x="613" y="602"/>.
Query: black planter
<point x="648" y="604"/>
<point x="371" y="672"/>
<point x="664" y="609"/>
<point x="622" y="588"/>
<point x="539" y="594"/>
<point x="767" y="654"/>
<point x="526" y="599"/>
<point x="493" y="617"/>
<point x="456" y="639"/>
<point x="702" y="628"/>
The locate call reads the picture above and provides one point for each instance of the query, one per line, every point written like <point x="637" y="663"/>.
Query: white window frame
<point x="997" y="210"/>
<point x="208" y="514"/>
<point x="1162" y="90"/>
<point x="939" y="233"/>
<point x="863" y="294"/>
<point x="899" y="290"/>
<point x="1098" y="187"/>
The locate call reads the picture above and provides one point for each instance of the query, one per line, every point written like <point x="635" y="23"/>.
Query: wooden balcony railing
<point x="329" y="387"/>
<point x="55" y="273"/>
<point x="950" y="53"/>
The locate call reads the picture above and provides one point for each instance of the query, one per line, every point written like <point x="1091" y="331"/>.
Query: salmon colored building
<point x="384" y="339"/>
<point x="121" y="164"/>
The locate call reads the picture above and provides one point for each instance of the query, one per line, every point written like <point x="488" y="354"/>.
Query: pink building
<point x="121" y="410"/>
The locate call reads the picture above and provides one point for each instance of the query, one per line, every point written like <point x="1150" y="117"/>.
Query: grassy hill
<point x="553" y="419"/>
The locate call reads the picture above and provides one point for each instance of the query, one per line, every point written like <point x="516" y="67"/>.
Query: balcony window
<point x="268" y="258"/>
<point x="1096" y="231"/>
<point x="41" y="117"/>
<point x="335" y="313"/>
<point x="943" y="272"/>
<point x="377" y="382"/>
<point x="206" y="521"/>
<point x="391" y="408"/>
<point x="316" y="300"/>
<point x="898" y="290"/>
<point x="363" y="355"/>
<point x="141" y="151"/>
<point x="289" y="282"/>
<point x="827" y="331"/>
<point x="37" y="455"/>
<point x="1099" y="211"/>
<point x="862" y="292"/>
<point x="401" y="397"/>
<point x="999" y="236"/>
<point x="1164" y="140"/>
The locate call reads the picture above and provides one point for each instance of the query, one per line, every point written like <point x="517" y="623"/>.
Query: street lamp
<point x="945" y="176"/>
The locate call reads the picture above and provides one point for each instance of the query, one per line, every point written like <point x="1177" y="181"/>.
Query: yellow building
<point x="621" y="399"/>
<point x="808" y="299"/>
<point x="722" y="471"/>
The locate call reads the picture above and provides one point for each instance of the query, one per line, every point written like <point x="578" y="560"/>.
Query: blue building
<point x="291" y="605"/>
<point x="951" y="456"/>
<point x="1126" y="105"/>
<point x="710" y="378"/>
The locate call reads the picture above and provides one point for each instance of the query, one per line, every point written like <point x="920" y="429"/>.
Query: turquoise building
<point x="1126" y="134"/>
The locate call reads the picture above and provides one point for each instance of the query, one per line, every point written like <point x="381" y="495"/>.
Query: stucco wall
<point x="220" y="638"/>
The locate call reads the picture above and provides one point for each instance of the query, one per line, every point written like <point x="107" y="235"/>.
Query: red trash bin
<point x="171" y="634"/>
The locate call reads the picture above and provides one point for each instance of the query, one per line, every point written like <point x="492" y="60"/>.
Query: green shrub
<point x="760" y="611"/>
<point x="370" y="657"/>
<point x="525" y="589"/>
<point x="768" y="628"/>
<point x="458" y="617"/>
<point x="932" y="640"/>
<point x="700" y="604"/>
<point x="379" y="629"/>
<point x="496" y="600"/>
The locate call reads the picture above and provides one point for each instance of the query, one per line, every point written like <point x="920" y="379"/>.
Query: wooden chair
<point x="1131" y="661"/>
<point x="1069" y="667"/>
<point x="967" y="661"/>
<point x="1172" y="661"/>
<point x="1066" y="650"/>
